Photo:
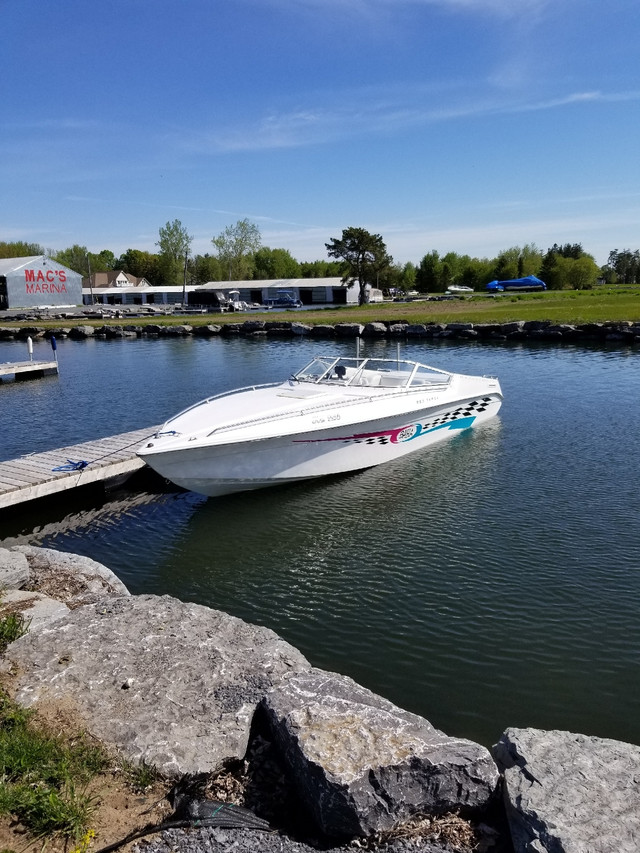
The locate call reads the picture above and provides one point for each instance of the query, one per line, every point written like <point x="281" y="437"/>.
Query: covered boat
<point x="529" y="282"/>
<point x="335" y="415"/>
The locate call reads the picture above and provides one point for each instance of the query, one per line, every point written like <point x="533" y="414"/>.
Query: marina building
<point x="38" y="282"/>
<point x="123" y="289"/>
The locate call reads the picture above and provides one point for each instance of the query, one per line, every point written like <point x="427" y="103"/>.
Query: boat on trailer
<point x="335" y="415"/>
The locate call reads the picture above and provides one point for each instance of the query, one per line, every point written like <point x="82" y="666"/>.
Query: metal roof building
<point x="310" y="291"/>
<point x="38" y="282"/>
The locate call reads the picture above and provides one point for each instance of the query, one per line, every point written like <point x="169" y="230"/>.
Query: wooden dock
<point x="21" y="370"/>
<point x="34" y="476"/>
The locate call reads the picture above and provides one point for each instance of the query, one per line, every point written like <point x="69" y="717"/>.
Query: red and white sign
<point x="45" y="281"/>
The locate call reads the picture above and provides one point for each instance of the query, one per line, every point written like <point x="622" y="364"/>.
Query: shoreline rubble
<point x="626" y="333"/>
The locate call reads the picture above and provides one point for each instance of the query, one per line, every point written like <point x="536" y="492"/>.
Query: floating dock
<point x="41" y="474"/>
<point x="21" y="370"/>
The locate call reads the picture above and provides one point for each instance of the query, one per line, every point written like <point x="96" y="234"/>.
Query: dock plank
<point x="30" y="477"/>
<point x="21" y="368"/>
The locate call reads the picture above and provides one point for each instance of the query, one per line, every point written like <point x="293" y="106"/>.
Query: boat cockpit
<point x="373" y="372"/>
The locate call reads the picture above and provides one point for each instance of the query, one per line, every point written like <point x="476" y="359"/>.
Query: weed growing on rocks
<point x="12" y="627"/>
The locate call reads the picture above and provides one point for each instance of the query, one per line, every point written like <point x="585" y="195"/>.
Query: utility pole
<point x="184" y="279"/>
<point x="90" y="283"/>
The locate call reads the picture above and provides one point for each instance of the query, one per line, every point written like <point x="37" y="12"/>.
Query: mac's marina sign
<point x="38" y="282"/>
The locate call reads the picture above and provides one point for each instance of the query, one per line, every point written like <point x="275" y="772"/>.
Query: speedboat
<point x="334" y="415"/>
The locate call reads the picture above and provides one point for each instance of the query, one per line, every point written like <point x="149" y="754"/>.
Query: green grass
<point x="43" y="779"/>
<point x="140" y="777"/>
<point x="12" y="627"/>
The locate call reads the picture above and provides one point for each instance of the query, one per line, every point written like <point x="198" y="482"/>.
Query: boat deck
<point x="35" y="476"/>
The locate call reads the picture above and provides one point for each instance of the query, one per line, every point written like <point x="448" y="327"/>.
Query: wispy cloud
<point x="52" y="124"/>
<point x="506" y="8"/>
<point x="322" y="125"/>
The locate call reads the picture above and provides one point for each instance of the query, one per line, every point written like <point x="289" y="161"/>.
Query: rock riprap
<point x="570" y="793"/>
<point x="172" y="684"/>
<point x="362" y="764"/>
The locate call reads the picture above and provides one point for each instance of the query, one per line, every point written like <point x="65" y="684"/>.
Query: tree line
<point x="238" y="254"/>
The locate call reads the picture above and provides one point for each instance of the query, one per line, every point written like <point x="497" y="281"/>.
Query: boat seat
<point x="392" y="381"/>
<point x="370" y="378"/>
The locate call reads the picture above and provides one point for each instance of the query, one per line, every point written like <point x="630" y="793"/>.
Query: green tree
<point x="320" y="269"/>
<point x="517" y="262"/>
<point x="20" y="249"/>
<point x="236" y="247"/>
<point x="275" y="263"/>
<point x="582" y="273"/>
<point x="364" y="258"/>
<point x="141" y="264"/>
<point x="624" y="266"/>
<point x="428" y="273"/>
<point x="407" y="278"/>
<point x="102" y="261"/>
<point x="75" y="257"/>
<point x="175" y="244"/>
<point x="205" y="268"/>
<point x="476" y="272"/>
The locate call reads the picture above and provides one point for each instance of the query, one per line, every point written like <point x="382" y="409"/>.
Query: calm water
<point x="490" y="581"/>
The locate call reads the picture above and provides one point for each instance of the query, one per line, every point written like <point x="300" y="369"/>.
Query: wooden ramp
<point x="27" y="369"/>
<point x="34" y="476"/>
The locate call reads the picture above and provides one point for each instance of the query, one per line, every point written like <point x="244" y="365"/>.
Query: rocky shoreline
<point x="625" y="333"/>
<point x="190" y="689"/>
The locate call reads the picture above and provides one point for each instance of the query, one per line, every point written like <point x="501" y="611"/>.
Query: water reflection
<point x="489" y="581"/>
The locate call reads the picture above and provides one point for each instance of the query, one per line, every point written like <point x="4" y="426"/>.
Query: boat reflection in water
<point x="334" y="416"/>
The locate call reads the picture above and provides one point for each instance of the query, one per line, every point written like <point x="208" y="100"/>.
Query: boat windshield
<point x="385" y="373"/>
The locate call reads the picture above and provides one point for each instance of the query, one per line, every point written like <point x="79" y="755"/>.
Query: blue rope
<point x="72" y="466"/>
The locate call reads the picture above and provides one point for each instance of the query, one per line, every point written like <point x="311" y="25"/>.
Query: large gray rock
<point x="14" y="570"/>
<point x="36" y="609"/>
<point x="172" y="684"/>
<point x="81" y="332"/>
<point x="569" y="793"/>
<point x="70" y="578"/>
<point x="363" y="764"/>
<point x="349" y="330"/>
<point x="374" y="330"/>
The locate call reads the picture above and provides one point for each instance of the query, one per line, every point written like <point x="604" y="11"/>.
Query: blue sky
<point x="456" y="125"/>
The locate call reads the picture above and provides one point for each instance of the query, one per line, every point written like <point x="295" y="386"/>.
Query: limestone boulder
<point x="349" y="330"/>
<point x="36" y="609"/>
<point x="323" y="330"/>
<point x="570" y="793"/>
<point x="374" y="330"/>
<point x="362" y="764"/>
<point x="71" y="578"/>
<point x="173" y="684"/>
<point x="81" y="332"/>
<point x="14" y="570"/>
<point x="208" y="330"/>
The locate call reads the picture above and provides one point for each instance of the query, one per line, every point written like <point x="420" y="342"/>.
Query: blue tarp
<point x="530" y="282"/>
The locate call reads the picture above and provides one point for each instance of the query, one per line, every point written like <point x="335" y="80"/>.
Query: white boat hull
<point x="219" y="469"/>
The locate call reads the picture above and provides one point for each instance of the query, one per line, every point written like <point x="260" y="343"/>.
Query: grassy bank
<point x="572" y="307"/>
<point x="600" y="305"/>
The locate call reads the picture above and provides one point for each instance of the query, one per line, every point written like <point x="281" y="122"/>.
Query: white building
<point x="310" y="291"/>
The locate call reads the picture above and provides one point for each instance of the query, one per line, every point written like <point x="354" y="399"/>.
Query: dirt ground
<point x="119" y="810"/>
